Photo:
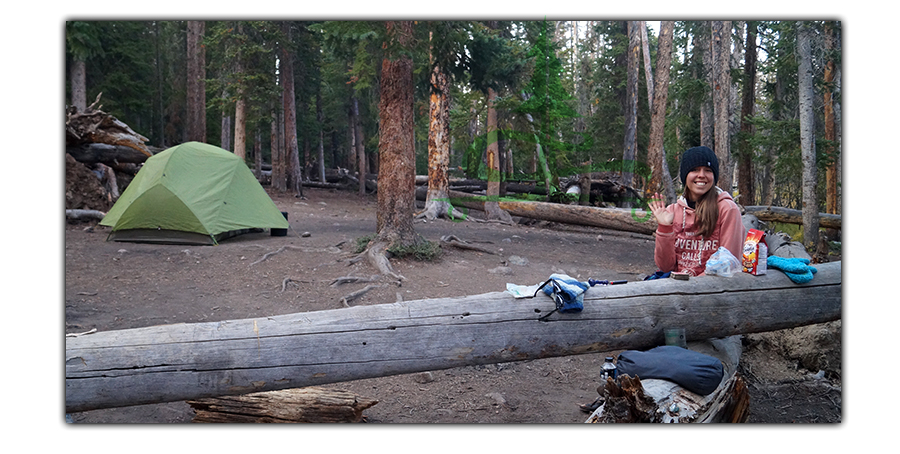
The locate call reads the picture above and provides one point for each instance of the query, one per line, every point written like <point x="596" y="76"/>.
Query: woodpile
<point x="102" y="156"/>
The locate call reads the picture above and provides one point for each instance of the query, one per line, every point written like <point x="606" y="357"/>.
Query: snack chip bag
<point x="755" y="252"/>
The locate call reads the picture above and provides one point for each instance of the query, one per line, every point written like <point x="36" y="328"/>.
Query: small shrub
<point x="424" y="251"/>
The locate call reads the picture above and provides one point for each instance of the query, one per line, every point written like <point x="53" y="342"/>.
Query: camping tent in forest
<point x="193" y="193"/>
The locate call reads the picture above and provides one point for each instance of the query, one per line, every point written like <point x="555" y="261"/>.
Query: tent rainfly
<point x="193" y="193"/>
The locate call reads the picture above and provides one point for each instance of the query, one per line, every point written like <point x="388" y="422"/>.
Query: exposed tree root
<point x="265" y="257"/>
<point x="452" y="240"/>
<point x="353" y="279"/>
<point x="345" y="301"/>
<point x="434" y="210"/>
<point x="376" y="254"/>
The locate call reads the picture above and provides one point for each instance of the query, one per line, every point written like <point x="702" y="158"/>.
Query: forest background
<point x="40" y="67"/>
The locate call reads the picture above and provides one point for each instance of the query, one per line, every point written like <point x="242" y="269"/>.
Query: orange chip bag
<point x="755" y="252"/>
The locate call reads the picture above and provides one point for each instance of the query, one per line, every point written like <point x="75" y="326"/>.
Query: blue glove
<point x="797" y="269"/>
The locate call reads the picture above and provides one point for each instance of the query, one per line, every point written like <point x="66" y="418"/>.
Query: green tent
<point x="193" y="193"/>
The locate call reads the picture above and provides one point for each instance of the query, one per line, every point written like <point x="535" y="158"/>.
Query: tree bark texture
<point x="358" y="144"/>
<point x="831" y="193"/>
<point x="196" y="82"/>
<point x="397" y="176"/>
<point x="631" y="104"/>
<point x="746" y="175"/>
<point x="707" y="110"/>
<point x="721" y="39"/>
<point x="197" y="360"/>
<point x="301" y="405"/>
<point x="79" y="85"/>
<point x="437" y="200"/>
<point x="807" y="137"/>
<point x="291" y="147"/>
<point x="660" y="178"/>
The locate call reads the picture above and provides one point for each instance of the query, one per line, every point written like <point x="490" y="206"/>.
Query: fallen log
<point x="85" y="215"/>
<point x="192" y="361"/>
<point x="92" y="153"/>
<point x="303" y="405"/>
<point x="789" y="216"/>
<point x="629" y="220"/>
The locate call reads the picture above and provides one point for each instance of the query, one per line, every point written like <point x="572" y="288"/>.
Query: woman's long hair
<point x="707" y="210"/>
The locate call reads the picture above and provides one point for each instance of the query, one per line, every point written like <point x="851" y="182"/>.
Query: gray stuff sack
<point x="691" y="370"/>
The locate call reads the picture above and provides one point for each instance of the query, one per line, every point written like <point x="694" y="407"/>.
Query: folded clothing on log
<point x="691" y="370"/>
<point x="797" y="269"/>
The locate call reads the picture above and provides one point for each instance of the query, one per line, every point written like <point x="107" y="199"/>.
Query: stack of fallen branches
<point x="95" y="126"/>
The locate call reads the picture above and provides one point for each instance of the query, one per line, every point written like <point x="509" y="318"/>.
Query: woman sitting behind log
<point x="703" y="219"/>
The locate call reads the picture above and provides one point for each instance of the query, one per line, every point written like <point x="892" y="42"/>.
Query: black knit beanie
<point x="697" y="157"/>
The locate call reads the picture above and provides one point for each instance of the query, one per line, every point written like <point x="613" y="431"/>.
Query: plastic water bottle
<point x="609" y="369"/>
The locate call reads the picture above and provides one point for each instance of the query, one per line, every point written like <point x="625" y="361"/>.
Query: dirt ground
<point x="112" y="286"/>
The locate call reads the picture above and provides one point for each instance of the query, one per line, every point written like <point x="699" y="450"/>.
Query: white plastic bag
<point x="722" y="263"/>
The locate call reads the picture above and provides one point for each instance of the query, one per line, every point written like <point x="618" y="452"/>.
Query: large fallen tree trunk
<point x="629" y="220"/>
<point x="192" y="361"/>
<point x="789" y="216"/>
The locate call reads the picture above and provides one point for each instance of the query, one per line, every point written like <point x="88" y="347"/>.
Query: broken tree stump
<point x="301" y="405"/>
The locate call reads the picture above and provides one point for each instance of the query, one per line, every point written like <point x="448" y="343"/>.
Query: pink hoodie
<point x="679" y="250"/>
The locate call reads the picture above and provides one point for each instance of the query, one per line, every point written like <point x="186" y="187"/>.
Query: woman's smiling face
<point x="699" y="181"/>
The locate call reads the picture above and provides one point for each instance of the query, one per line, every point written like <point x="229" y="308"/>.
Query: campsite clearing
<point x="112" y="285"/>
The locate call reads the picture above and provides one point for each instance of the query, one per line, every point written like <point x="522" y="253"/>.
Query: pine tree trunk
<point x="362" y="165"/>
<point x="632" y="58"/>
<point x="746" y="174"/>
<point x="396" y="178"/>
<point x="79" y="85"/>
<point x="721" y="38"/>
<point x="831" y="197"/>
<point x="807" y="137"/>
<point x="196" y="82"/>
<point x="320" y="118"/>
<point x="492" y="209"/>
<point x="291" y="147"/>
<point x="707" y="111"/>
<point x="660" y="178"/>
<point x="437" y="201"/>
